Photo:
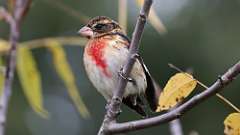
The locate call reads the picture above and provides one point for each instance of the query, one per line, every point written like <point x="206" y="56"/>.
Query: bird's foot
<point x="136" y="56"/>
<point x="129" y="79"/>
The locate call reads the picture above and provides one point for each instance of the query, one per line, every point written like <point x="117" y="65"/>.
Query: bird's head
<point x="100" y="26"/>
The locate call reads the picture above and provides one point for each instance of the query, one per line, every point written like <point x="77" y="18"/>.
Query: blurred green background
<point x="202" y="35"/>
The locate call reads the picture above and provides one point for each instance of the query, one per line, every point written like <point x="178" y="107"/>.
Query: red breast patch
<point x="95" y="50"/>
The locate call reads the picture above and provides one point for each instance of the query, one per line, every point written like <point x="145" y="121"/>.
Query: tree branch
<point x="109" y="125"/>
<point x="116" y="101"/>
<point x="20" y="8"/>
<point x="175" y="127"/>
<point x="228" y="77"/>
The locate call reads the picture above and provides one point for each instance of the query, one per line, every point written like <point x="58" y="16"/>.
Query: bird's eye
<point x="100" y="26"/>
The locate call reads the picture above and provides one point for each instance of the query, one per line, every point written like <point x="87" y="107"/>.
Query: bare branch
<point x="227" y="78"/>
<point x="115" y="103"/>
<point x="20" y="9"/>
<point x="14" y="34"/>
<point x="175" y="127"/>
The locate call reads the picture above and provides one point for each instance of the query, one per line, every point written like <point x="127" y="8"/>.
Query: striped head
<point x="100" y="26"/>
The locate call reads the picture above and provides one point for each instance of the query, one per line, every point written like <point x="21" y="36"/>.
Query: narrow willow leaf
<point x="154" y="19"/>
<point x="4" y="46"/>
<point x="178" y="87"/>
<point x="64" y="71"/>
<point x="38" y="43"/>
<point x="232" y="124"/>
<point x="2" y="76"/>
<point x="11" y="5"/>
<point x="122" y="13"/>
<point x="156" y="22"/>
<point x="30" y="80"/>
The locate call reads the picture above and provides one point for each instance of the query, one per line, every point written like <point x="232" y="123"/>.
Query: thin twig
<point x="20" y="9"/>
<point x="115" y="103"/>
<point x="175" y="127"/>
<point x="14" y="34"/>
<point x="227" y="78"/>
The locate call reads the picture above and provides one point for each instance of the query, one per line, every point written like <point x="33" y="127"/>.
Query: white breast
<point x="115" y="55"/>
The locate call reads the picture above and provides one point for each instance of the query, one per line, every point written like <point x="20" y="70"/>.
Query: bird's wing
<point x="153" y="90"/>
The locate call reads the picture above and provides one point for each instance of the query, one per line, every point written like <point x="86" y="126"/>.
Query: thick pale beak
<point x="86" y="32"/>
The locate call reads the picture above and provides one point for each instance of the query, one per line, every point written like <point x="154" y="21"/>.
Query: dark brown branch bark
<point x="21" y="7"/>
<point x="228" y="77"/>
<point x="115" y="103"/>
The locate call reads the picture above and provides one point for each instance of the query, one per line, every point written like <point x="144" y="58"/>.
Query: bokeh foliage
<point x="202" y="35"/>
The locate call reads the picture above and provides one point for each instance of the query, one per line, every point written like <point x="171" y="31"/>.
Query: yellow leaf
<point x="232" y="124"/>
<point x="64" y="71"/>
<point x="178" y="87"/>
<point x="4" y="46"/>
<point x="154" y="19"/>
<point x="30" y="80"/>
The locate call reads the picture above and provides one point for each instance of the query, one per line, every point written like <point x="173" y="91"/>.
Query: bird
<point x="105" y="54"/>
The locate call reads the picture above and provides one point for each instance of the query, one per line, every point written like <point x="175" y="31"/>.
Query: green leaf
<point x="30" y="80"/>
<point x="64" y="71"/>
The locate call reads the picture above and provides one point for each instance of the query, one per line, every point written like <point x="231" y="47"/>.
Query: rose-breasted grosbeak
<point x="105" y="54"/>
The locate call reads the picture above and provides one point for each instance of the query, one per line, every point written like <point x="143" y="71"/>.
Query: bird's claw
<point x="129" y="79"/>
<point x="136" y="56"/>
